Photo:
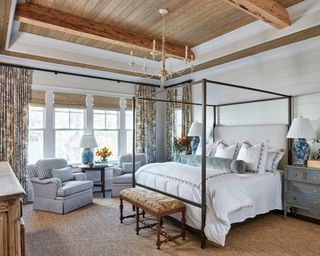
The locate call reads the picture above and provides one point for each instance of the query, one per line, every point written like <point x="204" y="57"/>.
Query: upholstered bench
<point x="155" y="204"/>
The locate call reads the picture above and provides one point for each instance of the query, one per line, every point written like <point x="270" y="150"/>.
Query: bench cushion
<point x="154" y="201"/>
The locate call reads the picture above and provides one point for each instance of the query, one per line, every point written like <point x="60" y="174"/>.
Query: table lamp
<point x="301" y="129"/>
<point x="88" y="142"/>
<point x="195" y="131"/>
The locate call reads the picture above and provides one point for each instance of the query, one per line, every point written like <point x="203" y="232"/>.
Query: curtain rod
<point x="173" y="85"/>
<point x="77" y="74"/>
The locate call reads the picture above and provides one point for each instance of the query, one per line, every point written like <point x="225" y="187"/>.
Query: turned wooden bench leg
<point x="158" y="231"/>
<point x="121" y="210"/>
<point x="183" y="224"/>
<point x="137" y="220"/>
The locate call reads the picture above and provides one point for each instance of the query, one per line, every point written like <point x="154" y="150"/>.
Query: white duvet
<point x="227" y="194"/>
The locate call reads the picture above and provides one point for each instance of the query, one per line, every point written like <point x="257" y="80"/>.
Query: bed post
<point x="289" y="124"/>
<point x="215" y="120"/>
<point x="203" y="163"/>
<point x="133" y="141"/>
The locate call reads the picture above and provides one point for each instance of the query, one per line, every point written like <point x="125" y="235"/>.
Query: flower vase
<point x="104" y="159"/>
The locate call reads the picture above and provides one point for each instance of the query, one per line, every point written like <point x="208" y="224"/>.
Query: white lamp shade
<point x="88" y="141"/>
<point x="195" y="129"/>
<point x="301" y="128"/>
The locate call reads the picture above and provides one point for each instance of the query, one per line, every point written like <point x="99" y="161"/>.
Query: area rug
<point x="95" y="230"/>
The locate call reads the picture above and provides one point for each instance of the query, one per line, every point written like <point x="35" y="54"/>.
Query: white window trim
<point x="49" y="124"/>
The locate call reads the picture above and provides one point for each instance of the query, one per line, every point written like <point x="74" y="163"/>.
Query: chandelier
<point x="165" y="73"/>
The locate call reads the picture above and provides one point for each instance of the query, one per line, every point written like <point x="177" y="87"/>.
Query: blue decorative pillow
<point x="64" y="174"/>
<point x="127" y="167"/>
<point x="225" y="164"/>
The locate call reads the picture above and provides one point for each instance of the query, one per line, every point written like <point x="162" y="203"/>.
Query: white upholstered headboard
<point x="276" y="134"/>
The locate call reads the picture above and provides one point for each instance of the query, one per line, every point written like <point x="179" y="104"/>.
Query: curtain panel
<point x="186" y="110"/>
<point x="171" y="123"/>
<point x="146" y="123"/>
<point x="15" y="94"/>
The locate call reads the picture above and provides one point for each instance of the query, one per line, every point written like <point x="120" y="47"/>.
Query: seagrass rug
<point x="95" y="230"/>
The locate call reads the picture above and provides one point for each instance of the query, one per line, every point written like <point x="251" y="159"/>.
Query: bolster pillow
<point x="224" y="164"/>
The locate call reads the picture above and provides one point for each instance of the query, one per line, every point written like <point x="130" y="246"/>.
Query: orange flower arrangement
<point x="104" y="153"/>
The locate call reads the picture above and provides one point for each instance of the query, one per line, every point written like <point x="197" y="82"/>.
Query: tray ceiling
<point x="190" y="22"/>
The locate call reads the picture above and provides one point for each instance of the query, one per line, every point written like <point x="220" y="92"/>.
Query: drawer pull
<point x="295" y="187"/>
<point x="314" y="190"/>
<point x="315" y="202"/>
<point x="294" y="198"/>
<point x="295" y="174"/>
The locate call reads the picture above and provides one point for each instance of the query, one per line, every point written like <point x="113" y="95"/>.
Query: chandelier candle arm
<point x="165" y="74"/>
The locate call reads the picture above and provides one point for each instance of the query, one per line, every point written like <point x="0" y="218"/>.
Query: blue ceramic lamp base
<point x="194" y="144"/>
<point x="300" y="152"/>
<point x="87" y="156"/>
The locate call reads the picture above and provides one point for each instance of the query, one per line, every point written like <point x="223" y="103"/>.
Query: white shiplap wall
<point x="289" y="70"/>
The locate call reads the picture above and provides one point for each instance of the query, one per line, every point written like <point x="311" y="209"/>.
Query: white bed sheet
<point x="268" y="197"/>
<point x="231" y="198"/>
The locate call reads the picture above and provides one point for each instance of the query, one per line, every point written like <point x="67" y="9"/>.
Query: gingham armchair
<point x="52" y="195"/>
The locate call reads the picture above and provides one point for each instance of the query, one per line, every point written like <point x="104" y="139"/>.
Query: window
<point x="106" y="130"/>
<point x="178" y="118"/>
<point x="129" y="121"/>
<point x="69" y="125"/>
<point x="36" y="128"/>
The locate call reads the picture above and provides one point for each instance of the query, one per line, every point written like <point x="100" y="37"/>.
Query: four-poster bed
<point x="202" y="203"/>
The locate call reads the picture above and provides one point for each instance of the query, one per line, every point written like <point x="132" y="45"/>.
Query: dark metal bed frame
<point x="204" y="83"/>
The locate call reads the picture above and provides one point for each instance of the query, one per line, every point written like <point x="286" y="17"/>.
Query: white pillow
<point x="255" y="156"/>
<point x="208" y="148"/>
<point x="225" y="151"/>
<point x="273" y="159"/>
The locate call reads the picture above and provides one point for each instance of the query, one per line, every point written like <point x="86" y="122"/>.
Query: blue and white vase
<point x="300" y="152"/>
<point x="87" y="156"/>
<point x="194" y="144"/>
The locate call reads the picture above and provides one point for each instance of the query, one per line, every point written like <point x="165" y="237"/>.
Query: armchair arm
<point x="79" y="176"/>
<point x="117" y="172"/>
<point x="46" y="188"/>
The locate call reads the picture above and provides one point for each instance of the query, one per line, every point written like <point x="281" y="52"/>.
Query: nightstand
<point x="302" y="190"/>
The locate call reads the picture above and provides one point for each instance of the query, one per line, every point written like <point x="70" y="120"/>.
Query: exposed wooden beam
<point x="65" y="22"/>
<point x="267" y="10"/>
<point x="4" y="21"/>
<point x="251" y="51"/>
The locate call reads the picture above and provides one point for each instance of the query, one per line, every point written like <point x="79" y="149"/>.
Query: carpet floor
<point x="95" y="230"/>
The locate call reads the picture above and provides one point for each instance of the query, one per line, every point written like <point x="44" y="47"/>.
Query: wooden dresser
<point x="302" y="190"/>
<point x="11" y="224"/>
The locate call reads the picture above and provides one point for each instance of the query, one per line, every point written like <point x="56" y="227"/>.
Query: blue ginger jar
<point x="300" y="152"/>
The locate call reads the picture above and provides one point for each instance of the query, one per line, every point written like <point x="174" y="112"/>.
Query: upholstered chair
<point x="122" y="175"/>
<point x="52" y="194"/>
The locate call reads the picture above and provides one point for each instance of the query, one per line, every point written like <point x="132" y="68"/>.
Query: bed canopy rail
<point x="204" y="104"/>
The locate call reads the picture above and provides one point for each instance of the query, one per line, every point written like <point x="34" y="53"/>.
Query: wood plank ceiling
<point x="189" y="22"/>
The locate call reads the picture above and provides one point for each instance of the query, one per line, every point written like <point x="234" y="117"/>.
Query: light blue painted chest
<point x="302" y="190"/>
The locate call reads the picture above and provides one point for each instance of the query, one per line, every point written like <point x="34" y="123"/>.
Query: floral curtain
<point x="186" y="110"/>
<point x="15" y="93"/>
<point x="171" y="123"/>
<point x="146" y="123"/>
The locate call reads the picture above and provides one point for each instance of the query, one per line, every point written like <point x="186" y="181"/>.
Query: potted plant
<point x="181" y="146"/>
